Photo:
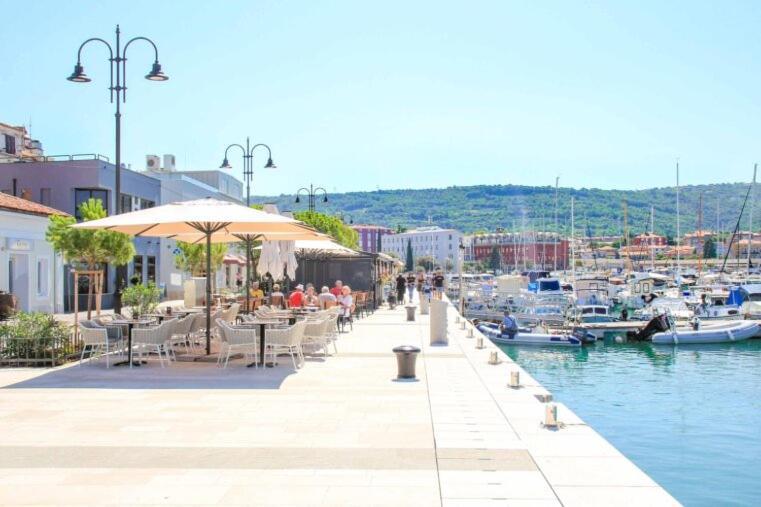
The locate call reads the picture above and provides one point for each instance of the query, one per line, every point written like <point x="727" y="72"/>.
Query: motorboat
<point x="526" y="337"/>
<point x="594" y="313"/>
<point x="717" y="333"/>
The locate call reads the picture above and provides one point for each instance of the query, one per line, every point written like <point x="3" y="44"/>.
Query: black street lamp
<point x="118" y="86"/>
<point x="248" y="174"/>
<point x="311" y="193"/>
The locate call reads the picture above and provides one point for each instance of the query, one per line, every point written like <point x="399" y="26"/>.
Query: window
<point x="125" y="203"/>
<point x="145" y="204"/>
<point x="151" y="269"/>
<point x="42" y="277"/>
<point x="45" y="196"/>
<point x="83" y="194"/>
<point x="137" y="267"/>
<point x="10" y="144"/>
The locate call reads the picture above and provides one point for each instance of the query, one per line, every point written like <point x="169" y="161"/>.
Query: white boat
<point x="717" y="333"/>
<point x="493" y="332"/>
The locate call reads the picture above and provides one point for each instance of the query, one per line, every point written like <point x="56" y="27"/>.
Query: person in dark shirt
<point x="401" y="284"/>
<point x="438" y="284"/>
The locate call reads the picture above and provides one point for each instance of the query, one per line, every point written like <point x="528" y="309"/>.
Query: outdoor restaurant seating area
<point x="179" y="334"/>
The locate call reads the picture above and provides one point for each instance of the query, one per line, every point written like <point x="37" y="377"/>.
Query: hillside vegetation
<point x="487" y="207"/>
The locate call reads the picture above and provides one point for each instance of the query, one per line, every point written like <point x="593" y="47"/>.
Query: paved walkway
<point x="340" y="431"/>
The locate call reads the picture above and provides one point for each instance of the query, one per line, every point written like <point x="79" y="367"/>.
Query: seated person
<point x="276" y="297"/>
<point x="255" y="291"/>
<point x="310" y="298"/>
<point x="509" y="325"/>
<point x="326" y="297"/>
<point x="296" y="299"/>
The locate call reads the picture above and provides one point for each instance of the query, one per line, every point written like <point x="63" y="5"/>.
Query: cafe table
<point x="262" y="323"/>
<point x="130" y="323"/>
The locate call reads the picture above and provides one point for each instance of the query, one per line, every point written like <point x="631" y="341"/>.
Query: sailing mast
<point x="750" y="215"/>
<point x="573" y="248"/>
<point x="557" y="233"/>
<point x="700" y="238"/>
<point x="652" y="232"/>
<point x="678" y="233"/>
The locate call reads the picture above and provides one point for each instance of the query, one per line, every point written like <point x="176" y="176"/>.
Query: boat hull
<point x="734" y="332"/>
<point x="537" y="339"/>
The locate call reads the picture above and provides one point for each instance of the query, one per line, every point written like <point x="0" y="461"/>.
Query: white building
<point x="441" y="244"/>
<point x="16" y="145"/>
<point x="29" y="268"/>
<point x="185" y="186"/>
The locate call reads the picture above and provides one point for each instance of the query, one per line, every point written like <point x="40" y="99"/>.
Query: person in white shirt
<point x="346" y="301"/>
<point x="325" y="297"/>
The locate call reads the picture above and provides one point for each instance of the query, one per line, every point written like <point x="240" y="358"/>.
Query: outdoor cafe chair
<point x="95" y="341"/>
<point x="236" y="340"/>
<point x="287" y="341"/>
<point x="181" y="333"/>
<point x="197" y="329"/>
<point x="153" y="339"/>
<point x="316" y="335"/>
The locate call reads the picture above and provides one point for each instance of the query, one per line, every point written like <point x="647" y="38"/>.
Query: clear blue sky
<point x="358" y="95"/>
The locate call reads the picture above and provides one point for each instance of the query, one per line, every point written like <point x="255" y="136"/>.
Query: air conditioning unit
<point x="169" y="163"/>
<point x="153" y="162"/>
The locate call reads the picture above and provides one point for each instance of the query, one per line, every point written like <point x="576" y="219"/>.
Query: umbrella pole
<point x="248" y="272"/>
<point x="208" y="293"/>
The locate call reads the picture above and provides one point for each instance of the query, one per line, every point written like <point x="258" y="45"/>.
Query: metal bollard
<point x="515" y="380"/>
<point x="551" y="416"/>
<point x="480" y="342"/>
<point x="456" y="318"/>
<point x="470" y="332"/>
<point x="410" y="313"/>
<point x="406" y="356"/>
<point x="493" y="357"/>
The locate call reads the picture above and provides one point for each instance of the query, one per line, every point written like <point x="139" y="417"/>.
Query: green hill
<point x="487" y="207"/>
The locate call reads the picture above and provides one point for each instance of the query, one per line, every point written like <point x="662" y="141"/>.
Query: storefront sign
<point x="19" y="244"/>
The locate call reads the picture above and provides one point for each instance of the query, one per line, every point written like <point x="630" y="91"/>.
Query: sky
<point x="365" y="95"/>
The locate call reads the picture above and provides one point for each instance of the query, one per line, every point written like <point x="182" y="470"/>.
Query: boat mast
<point x="573" y="248"/>
<point x="652" y="232"/>
<point x="678" y="233"/>
<point x="557" y="233"/>
<point x="700" y="237"/>
<point x="750" y="214"/>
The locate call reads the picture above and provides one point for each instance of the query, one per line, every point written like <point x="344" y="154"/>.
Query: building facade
<point x="29" y="268"/>
<point x="648" y="239"/>
<point x="370" y="236"/>
<point x="65" y="182"/>
<point x="16" y="145"/>
<point x="441" y="244"/>
<point x="521" y="251"/>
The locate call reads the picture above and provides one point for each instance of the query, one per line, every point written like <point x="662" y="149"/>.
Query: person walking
<point x="410" y="286"/>
<point x="401" y="284"/>
<point x="438" y="284"/>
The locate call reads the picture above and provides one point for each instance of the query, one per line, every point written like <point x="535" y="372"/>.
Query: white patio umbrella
<point x="288" y="257"/>
<point x="269" y="259"/>
<point x="210" y="219"/>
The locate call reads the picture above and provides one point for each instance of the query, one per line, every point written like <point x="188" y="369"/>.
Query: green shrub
<point x="142" y="299"/>
<point x="36" y="337"/>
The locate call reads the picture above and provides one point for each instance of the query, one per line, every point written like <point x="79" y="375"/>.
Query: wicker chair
<point x="154" y="339"/>
<point x="181" y="333"/>
<point x="237" y="340"/>
<point x="95" y="341"/>
<point x="316" y="335"/>
<point x="287" y="341"/>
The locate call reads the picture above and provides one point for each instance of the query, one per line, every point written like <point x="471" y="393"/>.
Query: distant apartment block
<point x="370" y="236"/>
<point x="523" y="250"/>
<point x="441" y="244"/>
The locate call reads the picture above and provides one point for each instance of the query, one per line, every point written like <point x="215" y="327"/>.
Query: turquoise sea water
<point x="689" y="416"/>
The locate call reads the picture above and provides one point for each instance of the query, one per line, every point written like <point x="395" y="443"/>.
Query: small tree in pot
<point x="142" y="299"/>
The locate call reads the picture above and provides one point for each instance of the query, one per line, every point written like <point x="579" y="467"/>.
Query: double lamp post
<point x="248" y="174"/>
<point x="117" y="58"/>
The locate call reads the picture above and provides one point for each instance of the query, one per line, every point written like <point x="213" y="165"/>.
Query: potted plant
<point x="141" y="299"/>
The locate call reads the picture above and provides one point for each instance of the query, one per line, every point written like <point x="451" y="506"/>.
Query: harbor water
<point x="689" y="416"/>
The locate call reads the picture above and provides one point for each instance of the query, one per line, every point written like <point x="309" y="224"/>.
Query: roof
<point x="19" y="205"/>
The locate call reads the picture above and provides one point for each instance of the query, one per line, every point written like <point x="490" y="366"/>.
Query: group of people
<point x="426" y="284"/>
<point x="306" y="297"/>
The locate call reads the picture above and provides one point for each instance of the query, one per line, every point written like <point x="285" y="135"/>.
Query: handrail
<point x="77" y="156"/>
